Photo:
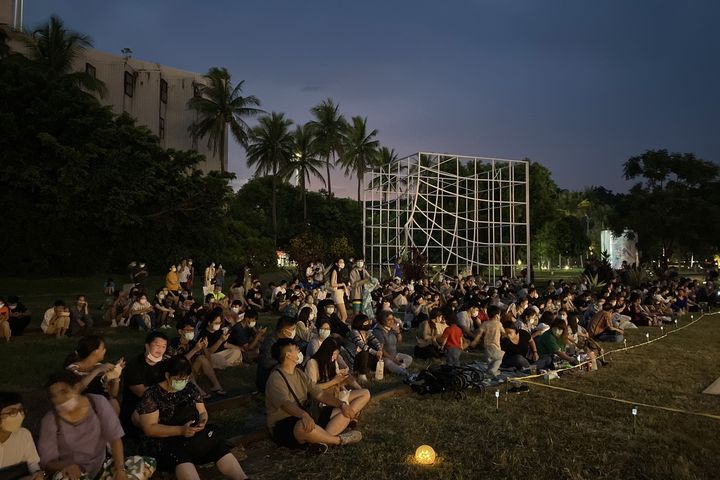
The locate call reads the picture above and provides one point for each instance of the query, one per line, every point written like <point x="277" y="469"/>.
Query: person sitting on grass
<point x="19" y="458"/>
<point x="550" y="345"/>
<point x="364" y="348"/>
<point x="75" y="433"/>
<point x="387" y="331"/>
<point x="140" y="373"/>
<point x="428" y="338"/>
<point x="56" y="320"/>
<point x="222" y="353"/>
<point x="518" y="346"/>
<point x="142" y="314"/>
<point x="285" y="328"/>
<point x="247" y="337"/>
<point x="96" y="377"/>
<point x="175" y="423"/>
<point x="5" y="321"/>
<point x="195" y="352"/>
<point x="601" y="327"/>
<point x="286" y="402"/>
<point x="323" y="331"/>
<point x="80" y="318"/>
<point x="20" y="316"/>
<point x="328" y="370"/>
<point x="452" y="340"/>
<point x="490" y="333"/>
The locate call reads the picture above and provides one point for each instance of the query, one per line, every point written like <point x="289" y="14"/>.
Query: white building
<point x="153" y="94"/>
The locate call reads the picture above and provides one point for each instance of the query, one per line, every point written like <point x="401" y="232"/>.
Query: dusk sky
<point x="578" y="86"/>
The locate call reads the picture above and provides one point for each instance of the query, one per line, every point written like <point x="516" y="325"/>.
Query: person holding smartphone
<point x="221" y="353"/>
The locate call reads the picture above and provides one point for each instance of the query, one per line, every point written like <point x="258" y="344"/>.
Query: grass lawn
<point x="542" y="434"/>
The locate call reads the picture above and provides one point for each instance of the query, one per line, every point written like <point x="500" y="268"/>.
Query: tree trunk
<point x="327" y="165"/>
<point x="304" y="200"/>
<point x="274" y="204"/>
<point x="222" y="149"/>
<point x="360" y="181"/>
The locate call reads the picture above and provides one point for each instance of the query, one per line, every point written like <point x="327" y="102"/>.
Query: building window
<point x="163" y="91"/>
<point x="161" y="129"/>
<point x="129" y="84"/>
<point x="90" y="70"/>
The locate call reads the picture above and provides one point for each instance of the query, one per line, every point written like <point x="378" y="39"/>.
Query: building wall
<point x="6" y="12"/>
<point x="142" y="99"/>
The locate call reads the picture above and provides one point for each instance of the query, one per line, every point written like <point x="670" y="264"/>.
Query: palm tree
<point x="220" y="105"/>
<point x="55" y="49"/>
<point x="306" y="161"/>
<point x="269" y="150"/>
<point x="390" y="178"/>
<point x="328" y="125"/>
<point x="359" y="150"/>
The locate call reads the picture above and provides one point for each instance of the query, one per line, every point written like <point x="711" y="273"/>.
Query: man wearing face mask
<point x="286" y="401"/>
<point x="17" y="449"/>
<point x="245" y="335"/>
<point x="140" y="373"/>
<point x="285" y="328"/>
<point x="358" y="278"/>
<point x="550" y="344"/>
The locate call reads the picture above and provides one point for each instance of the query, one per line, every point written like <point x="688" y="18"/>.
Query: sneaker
<point x="351" y="436"/>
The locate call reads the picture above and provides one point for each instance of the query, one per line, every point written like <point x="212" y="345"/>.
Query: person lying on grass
<point x="286" y="401"/>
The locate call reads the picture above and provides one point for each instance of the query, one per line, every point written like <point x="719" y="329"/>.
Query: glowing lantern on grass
<point x="425" y="455"/>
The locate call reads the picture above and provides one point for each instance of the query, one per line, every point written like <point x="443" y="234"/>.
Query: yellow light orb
<point x="425" y="455"/>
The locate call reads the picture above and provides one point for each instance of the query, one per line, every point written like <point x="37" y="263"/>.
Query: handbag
<point x="312" y="408"/>
<point x="14" y="472"/>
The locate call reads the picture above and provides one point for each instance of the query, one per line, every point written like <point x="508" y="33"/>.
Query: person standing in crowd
<point x="172" y="280"/>
<point x="80" y="318"/>
<point x="18" y="456"/>
<point x="56" y="320"/>
<point x="451" y="341"/>
<point x="490" y="333"/>
<point x="209" y="274"/>
<point x="339" y="288"/>
<point x="20" y="316"/>
<point x="183" y="275"/>
<point x="359" y="277"/>
<point x="220" y="276"/>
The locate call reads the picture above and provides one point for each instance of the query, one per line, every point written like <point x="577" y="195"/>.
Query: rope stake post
<point x="497" y="399"/>
<point x="634" y="417"/>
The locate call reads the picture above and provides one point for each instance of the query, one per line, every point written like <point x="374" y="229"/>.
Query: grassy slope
<point x="541" y="434"/>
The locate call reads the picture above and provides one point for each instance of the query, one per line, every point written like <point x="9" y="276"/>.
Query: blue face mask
<point x="178" y="385"/>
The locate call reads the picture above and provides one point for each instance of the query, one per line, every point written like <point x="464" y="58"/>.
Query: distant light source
<point x="425" y="455"/>
<point x="567" y="267"/>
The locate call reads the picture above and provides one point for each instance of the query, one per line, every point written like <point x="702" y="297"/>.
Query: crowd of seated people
<point x="330" y="341"/>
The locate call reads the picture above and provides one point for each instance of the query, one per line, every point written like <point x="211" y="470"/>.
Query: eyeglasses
<point x="13" y="412"/>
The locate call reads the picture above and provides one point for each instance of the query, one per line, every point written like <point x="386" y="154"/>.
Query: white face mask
<point x="215" y="327"/>
<point x="189" y="336"/>
<point x="341" y="265"/>
<point x="300" y="358"/>
<point x="236" y="309"/>
<point x="330" y="311"/>
<point x="12" y="424"/>
<point x="68" y="405"/>
<point x="252" y="324"/>
<point x="323" y="333"/>
<point x="153" y="359"/>
<point x="291" y="334"/>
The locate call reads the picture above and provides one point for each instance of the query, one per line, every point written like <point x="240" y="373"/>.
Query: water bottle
<point x="380" y="369"/>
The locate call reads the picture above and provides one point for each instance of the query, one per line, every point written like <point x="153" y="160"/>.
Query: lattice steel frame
<point x="460" y="212"/>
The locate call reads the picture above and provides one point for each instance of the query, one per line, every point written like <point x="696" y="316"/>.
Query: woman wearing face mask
<point x="365" y="349"/>
<point x="74" y="435"/>
<point x="528" y="320"/>
<point x="328" y="312"/>
<point x="305" y="327"/>
<point x="19" y="457"/>
<point x="324" y="331"/>
<point x="185" y="344"/>
<point x="174" y="419"/>
<point x="142" y="314"/>
<point x="328" y="370"/>
<point x="95" y="376"/>
<point x="339" y="288"/>
<point x="220" y="353"/>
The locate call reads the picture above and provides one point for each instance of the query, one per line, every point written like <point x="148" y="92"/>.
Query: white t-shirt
<point x="18" y="448"/>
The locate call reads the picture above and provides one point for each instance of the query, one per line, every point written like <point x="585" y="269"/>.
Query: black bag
<point x="14" y="472"/>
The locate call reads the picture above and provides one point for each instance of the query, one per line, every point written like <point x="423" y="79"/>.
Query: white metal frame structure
<point x="462" y="213"/>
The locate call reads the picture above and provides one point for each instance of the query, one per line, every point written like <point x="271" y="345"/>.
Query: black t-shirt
<point x="138" y="372"/>
<point x="212" y="338"/>
<point x="19" y="308"/>
<point x="521" y="348"/>
<point x="241" y="335"/>
<point x="254" y="296"/>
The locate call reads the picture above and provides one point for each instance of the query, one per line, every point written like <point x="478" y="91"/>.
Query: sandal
<point x="220" y="392"/>
<point x="206" y="396"/>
